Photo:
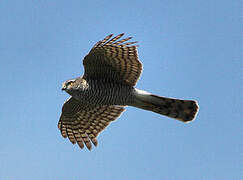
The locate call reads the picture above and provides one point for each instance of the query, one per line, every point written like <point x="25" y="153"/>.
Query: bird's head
<point x="69" y="85"/>
<point x="74" y="85"/>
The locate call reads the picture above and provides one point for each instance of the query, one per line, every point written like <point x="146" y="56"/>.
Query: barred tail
<point x="182" y="110"/>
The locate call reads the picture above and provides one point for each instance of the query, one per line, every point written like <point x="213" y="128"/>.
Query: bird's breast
<point x="103" y="93"/>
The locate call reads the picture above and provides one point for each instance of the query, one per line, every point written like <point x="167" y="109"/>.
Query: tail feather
<point x="183" y="110"/>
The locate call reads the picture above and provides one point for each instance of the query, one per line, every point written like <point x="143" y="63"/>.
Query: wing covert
<point x="113" y="60"/>
<point x="82" y="123"/>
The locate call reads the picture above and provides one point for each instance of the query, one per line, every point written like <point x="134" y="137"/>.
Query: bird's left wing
<point x="82" y="123"/>
<point x="113" y="59"/>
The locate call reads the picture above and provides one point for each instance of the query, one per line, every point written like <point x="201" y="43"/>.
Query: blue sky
<point x="189" y="50"/>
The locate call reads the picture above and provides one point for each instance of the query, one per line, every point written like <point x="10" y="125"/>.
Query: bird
<point x="98" y="97"/>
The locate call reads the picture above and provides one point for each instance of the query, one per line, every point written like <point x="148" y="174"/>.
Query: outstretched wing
<point x="113" y="60"/>
<point x="82" y="124"/>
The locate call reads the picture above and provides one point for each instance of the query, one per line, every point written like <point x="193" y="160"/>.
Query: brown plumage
<point x="112" y="69"/>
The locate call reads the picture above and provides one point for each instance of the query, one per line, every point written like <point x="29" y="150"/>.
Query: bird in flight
<point x="112" y="69"/>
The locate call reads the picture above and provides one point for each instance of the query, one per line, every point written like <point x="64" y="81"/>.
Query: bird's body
<point x="102" y="92"/>
<point x="112" y="69"/>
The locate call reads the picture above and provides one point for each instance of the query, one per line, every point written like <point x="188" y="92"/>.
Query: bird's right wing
<point x="82" y="123"/>
<point x="113" y="60"/>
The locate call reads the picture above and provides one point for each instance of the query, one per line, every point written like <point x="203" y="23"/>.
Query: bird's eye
<point x="70" y="83"/>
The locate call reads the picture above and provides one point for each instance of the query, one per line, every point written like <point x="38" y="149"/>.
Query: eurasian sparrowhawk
<point x="112" y="69"/>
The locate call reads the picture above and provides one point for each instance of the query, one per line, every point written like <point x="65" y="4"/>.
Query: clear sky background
<point x="189" y="50"/>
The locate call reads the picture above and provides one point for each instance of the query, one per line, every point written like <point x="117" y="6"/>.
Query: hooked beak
<point x="63" y="88"/>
